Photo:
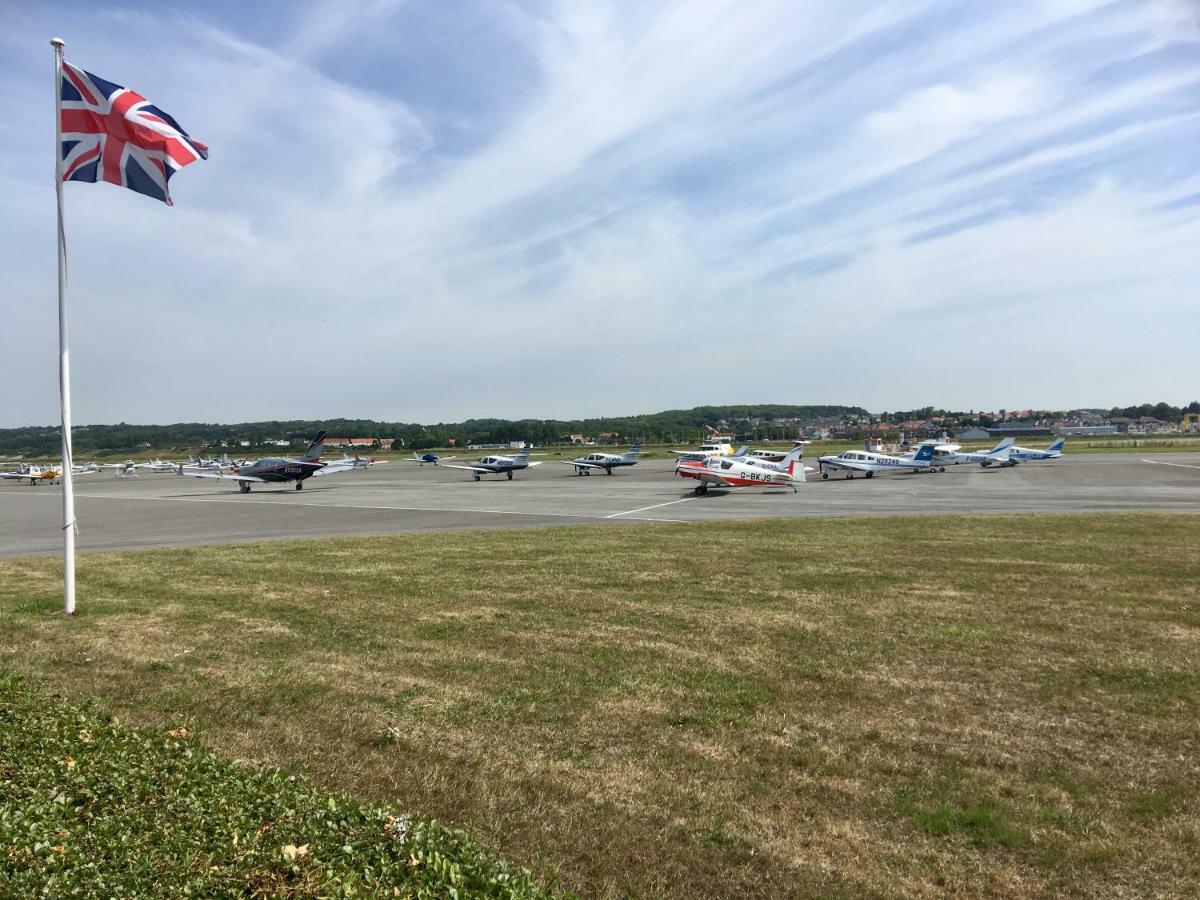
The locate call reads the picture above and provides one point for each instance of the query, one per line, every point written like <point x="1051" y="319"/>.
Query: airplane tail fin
<point x="1058" y="445"/>
<point x="313" y="453"/>
<point x="1003" y="445"/>
<point x="524" y="454"/>
<point x="793" y="463"/>
<point x="924" y="453"/>
<point x="742" y="451"/>
<point x="633" y="452"/>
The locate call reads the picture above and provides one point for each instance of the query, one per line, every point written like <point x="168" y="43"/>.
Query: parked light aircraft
<point x="606" y="461"/>
<point x="497" y="465"/>
<point x="870" y="463"/>
<point x="1023" y="454"/>
<point x="431" y="458"/>
<point x="722" y="472"/>
<point x="273" y="470"/>
<point x="948" y="455"/>
<point x="705" y="451"/>
<point x="35" y="474"/>
<point x="797" y="453"/>
<point x="355" y="462"/>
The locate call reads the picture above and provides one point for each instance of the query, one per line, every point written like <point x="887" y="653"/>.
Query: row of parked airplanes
<point x="714" y="465"/>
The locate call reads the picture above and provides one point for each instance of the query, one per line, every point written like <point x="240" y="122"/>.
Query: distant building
<point x="1019" y="429"/>
<point x="1085" y="429"/>
<point x="972" y="434"/>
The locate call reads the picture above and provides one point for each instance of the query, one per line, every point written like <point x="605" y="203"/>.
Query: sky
<point x="432" y="211"/>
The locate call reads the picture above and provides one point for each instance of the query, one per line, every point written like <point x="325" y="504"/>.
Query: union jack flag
<point x="113" y="134"/>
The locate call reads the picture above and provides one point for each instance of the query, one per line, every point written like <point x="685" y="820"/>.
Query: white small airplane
<point x="705" y="451"/>
<point x="606" y="461"/>
<point x="354" y="462"/>
<point x="127" y="469"/>
<point x="723" y="472"/>
<point x="1024" y="454"/>
<point x="497" y="465"/>
<point x="948" y="455"/>
<point x="869" y="463"/>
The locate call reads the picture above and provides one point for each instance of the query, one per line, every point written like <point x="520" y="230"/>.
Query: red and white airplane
<point x="721" y="472"/>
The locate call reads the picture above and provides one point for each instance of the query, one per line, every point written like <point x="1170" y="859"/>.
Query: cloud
<point x="569" y="208"/>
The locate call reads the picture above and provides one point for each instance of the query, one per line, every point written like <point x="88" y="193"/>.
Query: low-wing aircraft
<point x="797" y="453"/>
<point x="273" y="469"/>
<point x="1024" y="454"/>
<point x="606" y="461"/>
<point x="718" y="472"/>
<point x="869" y="463"/>
<point x="497" y="465"/>
<point x="128" y="469"/>
<point x="431" y="458"/>
<point x="35" y="474"/>
<point x="705" y="451"/>
<point x="948" y="455"/>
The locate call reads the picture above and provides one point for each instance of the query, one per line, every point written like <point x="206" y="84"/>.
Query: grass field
<point x="1001" y="706"/>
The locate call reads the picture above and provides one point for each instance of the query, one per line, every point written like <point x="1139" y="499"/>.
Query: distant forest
<point x="677" y="425"/>
<point x="672" y="425"/>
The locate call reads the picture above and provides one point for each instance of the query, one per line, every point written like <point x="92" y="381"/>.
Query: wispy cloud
<point x="582" y="207"/>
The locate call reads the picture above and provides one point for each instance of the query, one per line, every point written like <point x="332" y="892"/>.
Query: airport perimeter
<point x="171" y="510"/>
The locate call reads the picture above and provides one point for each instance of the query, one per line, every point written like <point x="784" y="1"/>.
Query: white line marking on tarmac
<point x="630" y="512"/>
<point x="1159" y="462"/>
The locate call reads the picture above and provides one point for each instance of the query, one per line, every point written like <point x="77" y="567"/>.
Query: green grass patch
<point x="909" y="706"/>
<point x="92" y="808"/>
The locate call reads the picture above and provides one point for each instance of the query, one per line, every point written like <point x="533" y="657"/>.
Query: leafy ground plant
<point x="92" y="808"/>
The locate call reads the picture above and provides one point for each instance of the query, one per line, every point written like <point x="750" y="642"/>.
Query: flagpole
<point x="64" y="367"/>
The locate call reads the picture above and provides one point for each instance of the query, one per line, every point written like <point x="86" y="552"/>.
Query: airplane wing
<point x="225" y="477"/>
<point x="842" y="464"/>
<point x="333" y="469"/>
<point x="537" y="462"/>
<point x="582" y="465"/>
<point x="470" y="468"/>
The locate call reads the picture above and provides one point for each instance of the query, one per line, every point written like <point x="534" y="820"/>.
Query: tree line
<point x="671" y="425"/>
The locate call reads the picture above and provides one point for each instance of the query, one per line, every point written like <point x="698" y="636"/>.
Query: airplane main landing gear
<point x="608" y="471"/>
<point x="299" y="485"/>
<point x="869" y="474"/>
<point x="476" y="477"/>
<point x="700" y="490"/>
<point x="509" y="476"/>
<point x="244" y="487"/>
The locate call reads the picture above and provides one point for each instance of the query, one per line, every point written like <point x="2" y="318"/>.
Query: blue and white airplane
<point x="431" y="458"/>
<point x="1023" y="454"/>
<point x="948" y="455"/>
<point x="870" y="463"/>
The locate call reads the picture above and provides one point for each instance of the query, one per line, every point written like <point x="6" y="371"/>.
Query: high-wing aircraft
<point x="496" y="465"/>
<point x="869" y="463"/>
<point x="948" y="455"/>
<point x="606" y="461"/>
<point x="705" y="451"/>
<point x="718" y="472"/>
<point x="355" y="462"/>
<point x="431" y="458"/>
<point x="273" y="469"/>
<point x="1023" y="454"/>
